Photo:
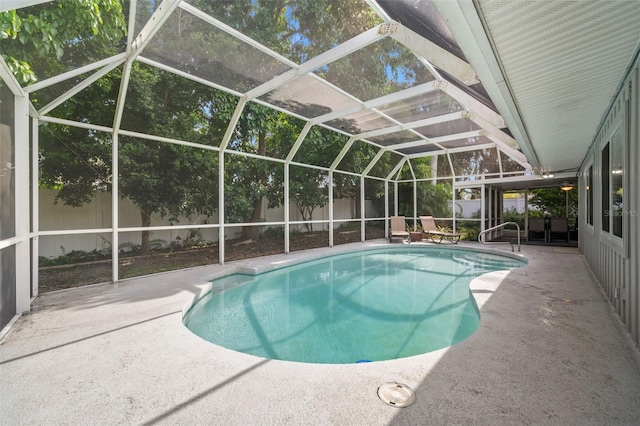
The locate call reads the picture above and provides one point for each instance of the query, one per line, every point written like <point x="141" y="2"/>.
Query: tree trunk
<point x="145" y="215"/>
<point x="253" y="232"/>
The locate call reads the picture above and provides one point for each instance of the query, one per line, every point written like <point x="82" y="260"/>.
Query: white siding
<point x="614" y="261"/>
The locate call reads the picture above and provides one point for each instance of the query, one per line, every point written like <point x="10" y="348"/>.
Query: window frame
<point x="607" y="235"/>
<point x="589" y="197"/>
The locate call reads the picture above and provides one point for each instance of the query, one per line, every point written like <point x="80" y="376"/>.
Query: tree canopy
<point x="63" y="30"/>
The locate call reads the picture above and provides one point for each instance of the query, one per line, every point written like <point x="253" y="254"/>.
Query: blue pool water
<point x="365" y="306"/>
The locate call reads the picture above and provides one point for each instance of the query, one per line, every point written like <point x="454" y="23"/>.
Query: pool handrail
<point x="497" y="227"/>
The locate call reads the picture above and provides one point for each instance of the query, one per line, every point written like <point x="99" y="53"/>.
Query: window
<point x="589" y="195"/>
<point x="617" y="174"/>
<point x="612" y="183"/>
<point x="605" y="188"/>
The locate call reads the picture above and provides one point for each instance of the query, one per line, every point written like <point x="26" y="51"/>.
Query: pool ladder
<point x="497" y="227"/>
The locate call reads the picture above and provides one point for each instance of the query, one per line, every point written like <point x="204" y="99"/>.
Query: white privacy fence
<point x="97" y="214"/>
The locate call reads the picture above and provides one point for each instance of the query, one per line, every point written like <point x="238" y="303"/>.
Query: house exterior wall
<point x="615" y="259"/>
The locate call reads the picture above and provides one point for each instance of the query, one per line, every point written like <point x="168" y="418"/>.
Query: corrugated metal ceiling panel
<point x="563" y="61"/>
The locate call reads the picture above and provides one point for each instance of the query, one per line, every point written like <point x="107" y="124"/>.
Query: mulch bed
<point x="79" y="274"/>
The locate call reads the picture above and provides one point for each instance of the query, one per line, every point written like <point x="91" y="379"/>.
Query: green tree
<point x="162" y="178"/>
<point x="170" y="179"/>
<point x="32" y="37"/>
<point x="308" y="187"/>
<point x="554" y="200"/>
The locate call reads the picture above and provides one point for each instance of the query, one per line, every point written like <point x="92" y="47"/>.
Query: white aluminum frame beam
<point x="153" y="25"/>
<point x="160" y="65"/>
<point x="378" y="102"/>
<point x="413" y="125"/>
<point x="454" y="151"/>
<point x="373" y="161"/>
<point x="340" y="51"/>
<point x="9" y="79"/>
<point x="421" y="142"/>
<point x="234" y="33"/>
<point x="435" y="54"/>
<point x="133" y="7"/>
<point x="119" y="58"/>
<point x="472" y="104"/>
<point x="396" y="169"/>
<point x="79" y="87"/>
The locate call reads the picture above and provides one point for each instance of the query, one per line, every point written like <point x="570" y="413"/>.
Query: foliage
<point x="513" y="215"/>
<point x="469" y="230"/>
<point x="432" y="199"/>
<point x="173" y="180"/>
<point x="32" y="34"/>
<point x="74" y="256"/>
<point x="162" y="178"/>
<point x="554" y="201"/>
<point x="194" y="238"/>
<point x="478" y="162"/>
<point x="309" y="187"/>
<point x="273" y="233"/>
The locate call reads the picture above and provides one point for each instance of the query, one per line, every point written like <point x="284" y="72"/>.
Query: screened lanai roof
<point x="514" y="88"/>
<point x="373" y="71"/>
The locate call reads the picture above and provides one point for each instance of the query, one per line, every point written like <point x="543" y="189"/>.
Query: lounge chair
<point x="430" y="230"/>
<point x="398" y="228"/>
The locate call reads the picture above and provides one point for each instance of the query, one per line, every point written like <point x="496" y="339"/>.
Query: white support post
<point x="287" y="206"/>
<point x="395" y="198"/>
<point x="362" y="213"/>
<point x="23" y="253"/>
<point x="115" y="172"/>
<point x="453" y="199"/>
<point x="114" y="208"/>
<point x="490" y="211"/>
<point x="223" y="146"/>
<point x="290" y="155"/>
<point x="221" y="206"/>
<point x="482" y="211"/>
<point x="386" y="208"/>
<point x="330" y="208"/>
<point x="526" y="214"/>
<point x="415" y="203"/>
<point x="35" y="205"/>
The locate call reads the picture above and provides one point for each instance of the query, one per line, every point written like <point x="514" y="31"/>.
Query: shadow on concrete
<point x="548" y="351"/>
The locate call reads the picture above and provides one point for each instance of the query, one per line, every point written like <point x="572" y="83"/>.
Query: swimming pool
<point x="371" y="305"/>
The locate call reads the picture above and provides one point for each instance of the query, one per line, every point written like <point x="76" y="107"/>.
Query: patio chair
<point x="398" y="228"/>
<point x="430" y="230"/>
<point x="537" y="229"/>
<point x="559" y="228"/>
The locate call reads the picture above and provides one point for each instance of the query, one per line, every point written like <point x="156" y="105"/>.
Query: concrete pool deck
<point x="549" y="350"/>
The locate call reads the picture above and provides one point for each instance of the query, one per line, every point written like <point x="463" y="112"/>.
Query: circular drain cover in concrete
<point x="396" y="394"/>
